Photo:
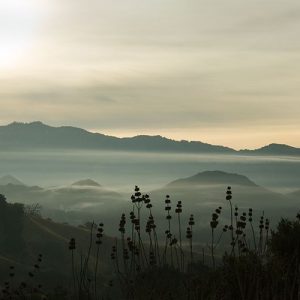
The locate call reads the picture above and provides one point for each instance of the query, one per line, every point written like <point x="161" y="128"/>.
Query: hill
<point x="82" y="195"/>
<point x="207" y="189"/>
<point x="202" y="193"/>
<point x="8" y="179"/>
<point x="24" y="236"/>
<point x="213" y="178"/>
<point x="75" y="204"/>
<point x="50" y="239"/>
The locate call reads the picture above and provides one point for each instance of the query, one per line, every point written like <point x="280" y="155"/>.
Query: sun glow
<point x="19" y="21"/>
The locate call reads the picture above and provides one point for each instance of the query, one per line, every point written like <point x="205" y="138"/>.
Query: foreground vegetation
<point x="244" y="260"/>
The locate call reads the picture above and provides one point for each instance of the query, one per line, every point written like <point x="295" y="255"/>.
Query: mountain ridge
<point x="37" y="135"/>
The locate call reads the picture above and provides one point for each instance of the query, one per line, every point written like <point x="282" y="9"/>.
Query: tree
<point x="285" y="241"/>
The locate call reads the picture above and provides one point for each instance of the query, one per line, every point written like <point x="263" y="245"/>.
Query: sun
<point x="18" y="26"/>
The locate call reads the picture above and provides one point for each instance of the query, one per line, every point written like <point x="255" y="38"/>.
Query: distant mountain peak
<point x="274" y="149"/>
<point x="86" y="182"/>
<point x="214" y="178"/>
<point x="278" y="146"/>
<point x="8" y="179"/>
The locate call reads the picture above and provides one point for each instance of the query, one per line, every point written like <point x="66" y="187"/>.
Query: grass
<point x="243" y="261"/>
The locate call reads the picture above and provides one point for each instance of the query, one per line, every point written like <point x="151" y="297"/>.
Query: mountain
<point x="36" y="135"/>
<point x="213" y="178"/>
<point x="8" y="179"/>
<point x="40" y="136"/>
<point x="202" y="193"/>
<point x="274" y="149"/>
<point x="208" y="188"/>
<point x="86" y="182"/>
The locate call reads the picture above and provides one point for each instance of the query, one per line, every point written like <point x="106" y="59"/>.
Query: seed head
<point x="72" y="245"/>
<point x="228" y="194"/>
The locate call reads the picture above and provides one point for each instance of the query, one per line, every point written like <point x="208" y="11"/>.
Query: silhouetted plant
<point x="99" y="237"/>
<point x="213" y="225"/>
<point x="258" y="266"/>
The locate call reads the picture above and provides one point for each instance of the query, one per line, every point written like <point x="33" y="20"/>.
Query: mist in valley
<point x="120" y="171"/>
<point x="50" y="177"/>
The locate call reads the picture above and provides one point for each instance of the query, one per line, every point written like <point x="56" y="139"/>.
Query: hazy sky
<point x="224" y="72"/>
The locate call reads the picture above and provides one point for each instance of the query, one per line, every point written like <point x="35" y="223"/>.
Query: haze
<point x="120" y="171"/>
<point x="221" y="72"/>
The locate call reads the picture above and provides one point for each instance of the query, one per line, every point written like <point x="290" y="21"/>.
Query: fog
<point x="120" y="171"/>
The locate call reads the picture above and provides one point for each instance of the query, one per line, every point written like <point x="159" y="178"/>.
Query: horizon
<point x="140" y="67"/>
<point x="136" y="135"/>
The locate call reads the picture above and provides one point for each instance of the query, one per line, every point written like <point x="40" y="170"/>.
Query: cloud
<point x="161" y="66"/>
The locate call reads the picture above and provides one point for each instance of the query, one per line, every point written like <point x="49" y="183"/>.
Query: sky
<point x="222" y="72"/>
